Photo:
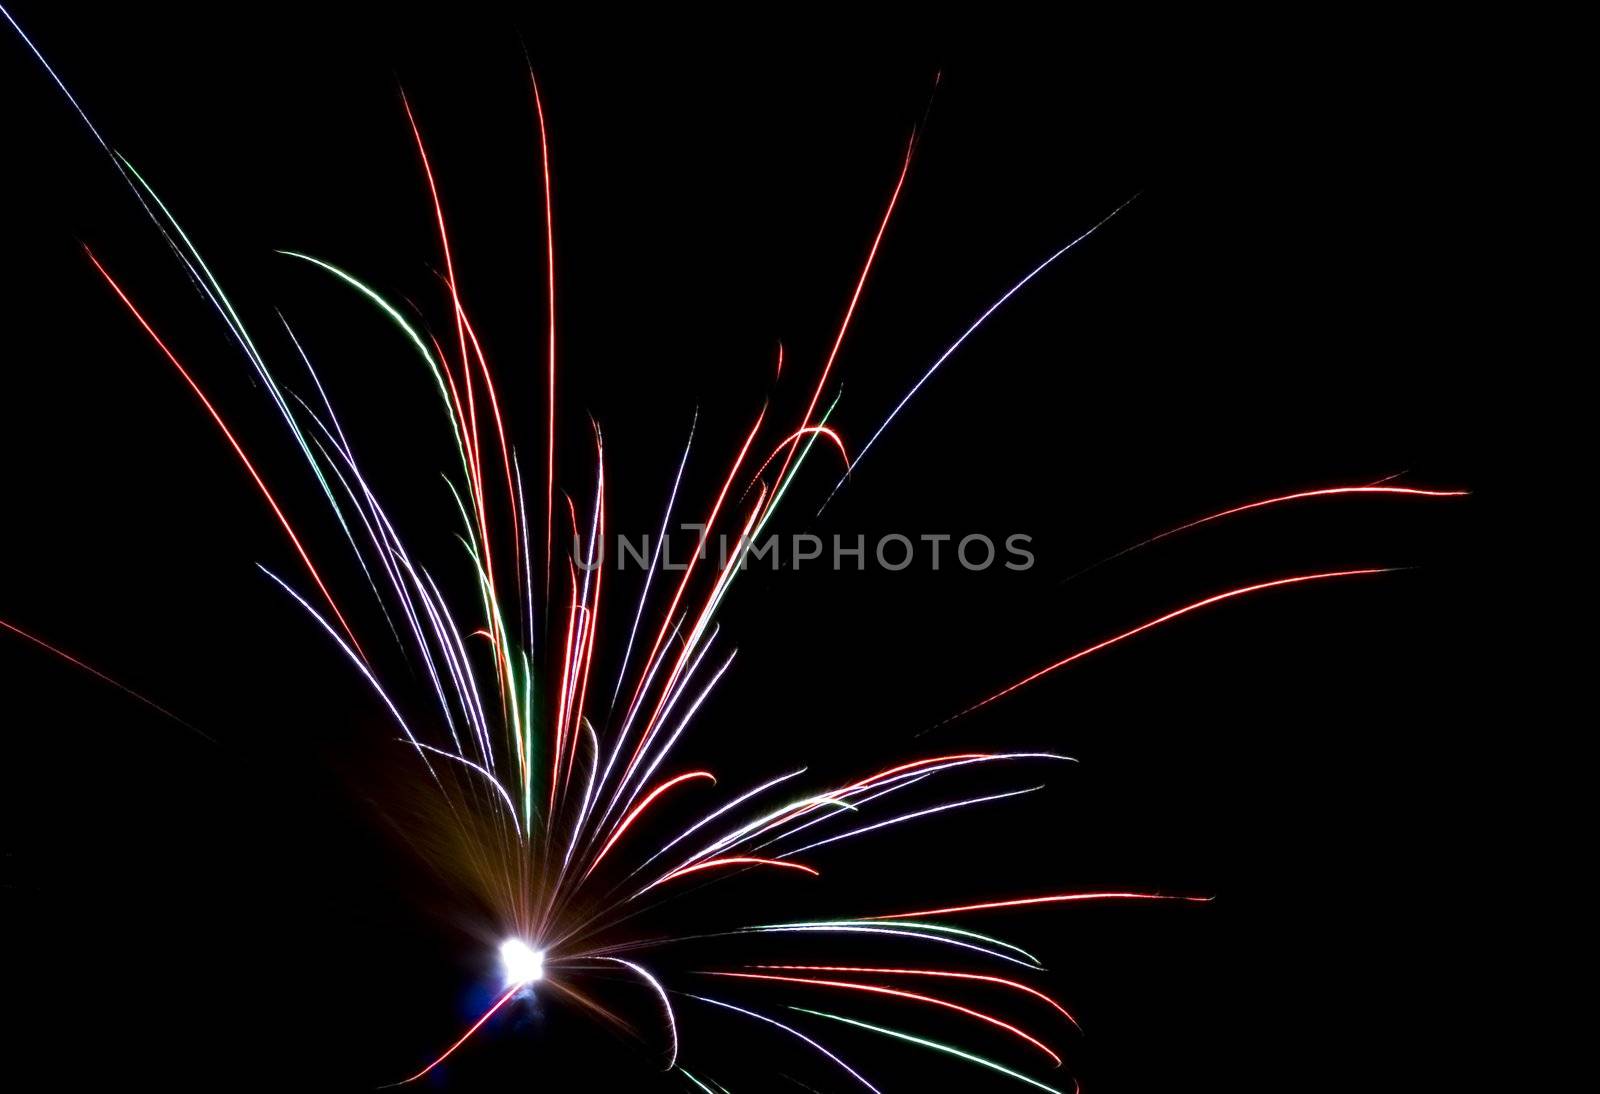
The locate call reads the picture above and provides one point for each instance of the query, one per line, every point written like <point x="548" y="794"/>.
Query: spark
<point x="951" y="349"/>
<point x="97" y="674"/>
<point x="509" y="994"/>
<point x="1326" y="492"/>
<point x="793" y="1032"/>
<point x="855" y="298"/>
<point x="697" y="1082"/>
<point x="523" y="963"/>
<point x="946" y="974"/>
<point x="550" y="340"/>
<point x="921" y="932"/>
<point x="238" y="449"/>
<point x="735" y="860"/>
<point x="918" y="815"/>
<point x="1376" y="488"/>
<point x="666" y="1004"/>
<point x="1061" y="898"/>
<point x="709" y="817"/>
<point x="935" y="1045"/>
<point x="1159" y="620"/>
<point x="633" y="814"/>
<point x="916" y="997"/>
<point x="511" y="806"/>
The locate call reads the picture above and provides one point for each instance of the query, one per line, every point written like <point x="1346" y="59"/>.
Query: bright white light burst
<point x="523" y="963"/>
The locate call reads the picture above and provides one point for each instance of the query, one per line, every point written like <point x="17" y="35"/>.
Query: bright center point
<point x="523" y="963"/>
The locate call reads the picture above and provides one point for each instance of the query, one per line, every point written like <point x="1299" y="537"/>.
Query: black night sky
<point x="1287" y="305"/>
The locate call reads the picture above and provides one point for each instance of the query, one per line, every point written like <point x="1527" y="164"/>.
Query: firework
<point x="547" y="780"/>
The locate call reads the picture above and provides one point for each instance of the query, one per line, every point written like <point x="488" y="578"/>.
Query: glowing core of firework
<point x="523" y="963"/>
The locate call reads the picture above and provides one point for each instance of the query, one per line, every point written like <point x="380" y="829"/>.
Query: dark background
<point x="1292" y="302"/>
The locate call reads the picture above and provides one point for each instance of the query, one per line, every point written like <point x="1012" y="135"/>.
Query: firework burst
<point x="546" y="781"/>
